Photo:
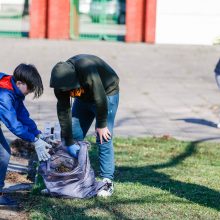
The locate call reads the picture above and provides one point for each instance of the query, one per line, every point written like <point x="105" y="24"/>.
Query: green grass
<point x="155" y="178"/>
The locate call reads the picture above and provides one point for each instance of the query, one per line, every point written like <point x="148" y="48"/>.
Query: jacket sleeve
<point x="99" y="95"/>
<point x="64" y="115"/>
<point x="217" y="68"/>
<point x="24" y="117"/>
<point x="8" y="116"/>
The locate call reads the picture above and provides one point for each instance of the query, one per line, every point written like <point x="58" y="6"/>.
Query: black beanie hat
<point x="63" y="76"/>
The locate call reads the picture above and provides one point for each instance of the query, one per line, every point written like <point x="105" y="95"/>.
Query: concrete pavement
<point x="165" y="89"/>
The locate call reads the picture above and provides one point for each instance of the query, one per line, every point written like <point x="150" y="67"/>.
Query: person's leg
<point x="5" y="154"/>
<point x="106" y="149"/>
<point x="82" y="118"/>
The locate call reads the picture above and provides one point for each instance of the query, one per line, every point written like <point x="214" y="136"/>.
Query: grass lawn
<point x="155" y="178"/>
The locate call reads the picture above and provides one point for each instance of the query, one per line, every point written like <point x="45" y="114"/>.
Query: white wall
<point x="187" y="21"/>
<point x="11" y="5"/>
<point x="16" y="2"/>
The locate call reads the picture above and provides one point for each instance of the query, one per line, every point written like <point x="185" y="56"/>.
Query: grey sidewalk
<point x="165" y="89"/>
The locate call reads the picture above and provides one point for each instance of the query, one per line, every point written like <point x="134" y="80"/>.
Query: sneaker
<point x="108" y="188"/>
<point x="45" y="192"/>
<point x="6" y="201"/>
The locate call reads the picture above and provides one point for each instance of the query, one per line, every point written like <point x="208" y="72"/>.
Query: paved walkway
<point x="165" y="89"/>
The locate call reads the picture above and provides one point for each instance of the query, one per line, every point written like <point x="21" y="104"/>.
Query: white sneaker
<point x="108" y="189"/>
<point x="44" y="192"/>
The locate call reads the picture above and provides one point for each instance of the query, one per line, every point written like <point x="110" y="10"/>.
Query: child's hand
<point x="42" y="149"/>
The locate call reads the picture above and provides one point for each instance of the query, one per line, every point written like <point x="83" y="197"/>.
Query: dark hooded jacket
<point x="97" y="79"/>
<point x="13" y="112"/>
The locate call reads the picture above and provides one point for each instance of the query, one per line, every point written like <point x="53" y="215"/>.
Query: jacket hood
<point x="63" y="76"/>
<point x="7" y="82"/>
<point x="2" y="75"/>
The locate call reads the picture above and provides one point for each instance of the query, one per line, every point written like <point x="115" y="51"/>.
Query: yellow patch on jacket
<point x="77" y="92"/>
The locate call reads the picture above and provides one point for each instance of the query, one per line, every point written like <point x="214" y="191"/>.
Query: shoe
<point x="108" y="188"/>
<point x="6" y="201"/>
<point x="45" y="192"/>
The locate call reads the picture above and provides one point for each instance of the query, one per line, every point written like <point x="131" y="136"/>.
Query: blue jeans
<point x="83" y="114"/>
<point x="5" y="153"/>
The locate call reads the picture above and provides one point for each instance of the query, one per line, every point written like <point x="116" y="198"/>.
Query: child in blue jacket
<point x="14" y="115"/>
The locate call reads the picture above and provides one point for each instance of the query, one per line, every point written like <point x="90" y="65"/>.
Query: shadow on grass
<point x="63" y="209"/>
<point x="148" y="175"/>
<point x="53" y="208"/>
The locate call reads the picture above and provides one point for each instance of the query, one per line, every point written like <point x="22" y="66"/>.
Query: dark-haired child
<point x="13" y="89"/>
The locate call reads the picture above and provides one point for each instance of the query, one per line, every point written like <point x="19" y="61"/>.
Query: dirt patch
<point x="22" y="149"/>
<point x="165" y="137"/>
<point x="12" y="214"/>
<point x="24" y="153"/>
<point x="62" y="169"/>
<point x="14" y="177"/>
<point x="17" y="212"/>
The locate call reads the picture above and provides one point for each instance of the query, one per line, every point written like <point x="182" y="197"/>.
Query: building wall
<point x="187" y="21"/>
<point x="11" y="5"/>
<point x="11" y="2"/>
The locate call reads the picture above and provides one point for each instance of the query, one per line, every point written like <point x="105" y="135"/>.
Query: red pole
<point x="38" y="19"/>
<point x="134" y="20"/>
<point x="59" y="19"/>
<point x="150" y="21"/>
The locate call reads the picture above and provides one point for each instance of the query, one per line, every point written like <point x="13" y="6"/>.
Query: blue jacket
<point x="13" y="112"/>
